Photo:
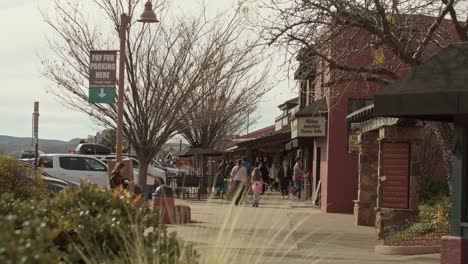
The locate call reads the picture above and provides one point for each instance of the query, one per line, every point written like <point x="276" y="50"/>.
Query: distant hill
<point x="15" y="145"/>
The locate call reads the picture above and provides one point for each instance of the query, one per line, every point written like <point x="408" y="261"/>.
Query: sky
<point x="21" y="82"/>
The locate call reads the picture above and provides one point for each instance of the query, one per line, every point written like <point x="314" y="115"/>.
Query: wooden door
<point x="395" y="175"/>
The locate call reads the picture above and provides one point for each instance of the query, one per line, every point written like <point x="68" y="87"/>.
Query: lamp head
<point x="148" y="15"/>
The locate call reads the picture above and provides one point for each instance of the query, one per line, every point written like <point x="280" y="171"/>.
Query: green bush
<point x="434" y="216"/>
<point x="86" y="225"/>
<point x="20" y="180"/>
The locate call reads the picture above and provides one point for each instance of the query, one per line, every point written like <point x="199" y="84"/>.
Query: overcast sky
<point x="21" y="81"/>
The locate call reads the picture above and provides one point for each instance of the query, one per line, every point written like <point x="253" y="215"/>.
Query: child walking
<point x="257" y="186"/>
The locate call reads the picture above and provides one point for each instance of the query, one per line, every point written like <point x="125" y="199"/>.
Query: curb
<point x="406" y="250"/>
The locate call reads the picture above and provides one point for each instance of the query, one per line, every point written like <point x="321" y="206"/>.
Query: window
<point x="72" y="163"/>
<point x="94" y="165"/>
<point x="353" y="106"/>
<point x="46" y="162"/>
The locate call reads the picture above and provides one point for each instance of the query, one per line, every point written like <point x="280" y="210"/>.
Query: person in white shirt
<point x="239" y="179"/>
<point x="150" y="186"/>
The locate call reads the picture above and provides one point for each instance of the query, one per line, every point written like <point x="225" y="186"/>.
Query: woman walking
<point x="117" y="176"/>
<point x="239" y="180"/>
<point x="285" y="178"/>
<point x="257" y="186"/>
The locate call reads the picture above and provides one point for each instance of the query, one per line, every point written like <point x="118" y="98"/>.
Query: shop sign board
<point x="314" y="126"/>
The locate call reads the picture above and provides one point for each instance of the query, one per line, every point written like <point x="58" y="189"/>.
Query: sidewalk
<point x="281" y="231"/>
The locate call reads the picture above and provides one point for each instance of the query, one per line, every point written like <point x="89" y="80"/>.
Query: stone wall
<point x="364" y="206"/>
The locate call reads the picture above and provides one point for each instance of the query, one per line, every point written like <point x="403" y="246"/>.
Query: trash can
<point x="163" y="201"/>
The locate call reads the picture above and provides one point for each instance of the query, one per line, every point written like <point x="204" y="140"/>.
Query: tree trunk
<point x="142" y="172"/>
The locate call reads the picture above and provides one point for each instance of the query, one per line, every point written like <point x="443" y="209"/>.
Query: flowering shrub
<point x="434" y="218"/>
<point x="86" y="225"/>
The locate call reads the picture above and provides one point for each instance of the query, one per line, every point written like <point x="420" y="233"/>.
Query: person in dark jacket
<point x="117" y="176"/>
<point x="284" y="178"/>
<point x="265" y="174"/>
<point x="227" y="171"/>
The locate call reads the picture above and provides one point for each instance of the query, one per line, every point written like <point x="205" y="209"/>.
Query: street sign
<point x="36" y="123"/>
<point x="102" y="76"/>
<point x="102" y="95"/>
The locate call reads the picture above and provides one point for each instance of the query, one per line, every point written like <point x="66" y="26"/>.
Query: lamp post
<point x="148" y="16"/>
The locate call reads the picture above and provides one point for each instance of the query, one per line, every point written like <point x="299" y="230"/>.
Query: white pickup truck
<point x="72" y="167"/>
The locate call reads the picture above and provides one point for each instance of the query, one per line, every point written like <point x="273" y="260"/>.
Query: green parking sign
<point x="102" y="77"/>
<point x="102" y="95"/>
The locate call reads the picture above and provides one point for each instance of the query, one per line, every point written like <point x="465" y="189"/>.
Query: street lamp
<point x="148" y="16"/>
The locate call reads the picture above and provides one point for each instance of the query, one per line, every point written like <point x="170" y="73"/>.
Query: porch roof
<point x="436" y="90"/>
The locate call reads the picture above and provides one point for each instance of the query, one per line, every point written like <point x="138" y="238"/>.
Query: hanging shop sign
<point x="314" y="126"/>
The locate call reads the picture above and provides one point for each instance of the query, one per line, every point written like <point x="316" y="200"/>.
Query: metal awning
<point x="361" y="115"/>
<point x="436" y="90"/>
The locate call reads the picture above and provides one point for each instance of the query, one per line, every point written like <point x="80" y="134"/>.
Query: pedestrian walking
<point x="151" y="183"/>
<point x="239" y="181"/>
<point x="227" y="171"/>
<point x="273" y="173"/>
<point x="257" y="186"/>
<point x="265" y="174"/>
<point x="284" y="178"/>
<point x="117" y="176"/>
<point x="298" y="176"/>
<point x="222" y="168"/>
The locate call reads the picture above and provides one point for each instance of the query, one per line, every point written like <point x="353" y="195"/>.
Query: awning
<point x="199" y="151"/>
<point x="274" y="142"/>
<point x="314" y="109"/>
<point x="231" y="149"/>
<point x="436" y="90"/>
<point x="361" y="115"/>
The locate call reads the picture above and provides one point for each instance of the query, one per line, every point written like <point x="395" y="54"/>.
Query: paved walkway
<point x="281" y="231"/>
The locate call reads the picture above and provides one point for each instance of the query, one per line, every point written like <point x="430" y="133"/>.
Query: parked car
<point x="171" y="170"/>
<point x="73" y="167"/>
<point x="53" y="185"/>
<point x="92" y="149"/>
<point x="29" y="154"/>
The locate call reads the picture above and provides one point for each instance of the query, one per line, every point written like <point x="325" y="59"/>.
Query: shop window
<point x="354" y="105"/>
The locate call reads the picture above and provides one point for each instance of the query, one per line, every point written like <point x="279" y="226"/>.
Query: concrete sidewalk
<point x="281" y="231"/>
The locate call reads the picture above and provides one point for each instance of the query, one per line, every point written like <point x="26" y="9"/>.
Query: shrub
<point x="434" y="216"/>
<point x="86" y="225"/>
<point x="20" y="180"/>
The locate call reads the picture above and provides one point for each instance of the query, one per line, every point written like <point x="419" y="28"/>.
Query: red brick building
<point x="330" y="154"/>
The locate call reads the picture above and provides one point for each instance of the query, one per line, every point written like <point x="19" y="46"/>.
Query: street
<point x="281" y="231"/>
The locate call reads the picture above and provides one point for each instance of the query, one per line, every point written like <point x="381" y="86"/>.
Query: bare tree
<point x="238" y="84"/>
<point x="166" y="67"/>
<point x="398" y="34"/>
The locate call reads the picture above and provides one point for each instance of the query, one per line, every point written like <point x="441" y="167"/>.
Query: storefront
<point x="308" y="124"/>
